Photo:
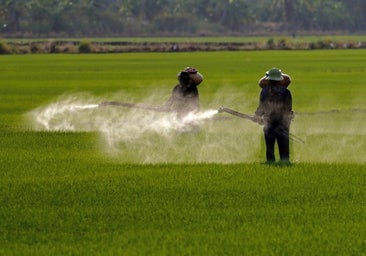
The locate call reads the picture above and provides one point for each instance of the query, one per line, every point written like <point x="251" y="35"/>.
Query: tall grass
<point x="62" y="192"/>
<point x="87" y="207"/>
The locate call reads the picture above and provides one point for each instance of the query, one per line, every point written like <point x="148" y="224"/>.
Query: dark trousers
<point x="281" y="134"/>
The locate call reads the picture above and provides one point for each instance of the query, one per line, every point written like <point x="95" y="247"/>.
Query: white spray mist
<point x="144" y="136"/>
<point x="151" y="136"/>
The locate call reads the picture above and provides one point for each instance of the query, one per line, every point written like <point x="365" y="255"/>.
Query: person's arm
<point x="286" y="80"/>
<point x="288" y="105"/>
<point x="261" y="108"/>
<point x="260" y="112"/>
<point x="263" y="82"/>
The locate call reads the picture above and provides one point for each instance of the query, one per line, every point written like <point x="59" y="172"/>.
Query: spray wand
<point x="132" y="105"/>
<point x="254" y="119"/>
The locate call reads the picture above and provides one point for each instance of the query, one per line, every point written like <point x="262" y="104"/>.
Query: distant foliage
<point x="149" y="45"/>
<point x="4" y="48"/>
<point x="85" y="47"/>
<point x="35" y="18"/>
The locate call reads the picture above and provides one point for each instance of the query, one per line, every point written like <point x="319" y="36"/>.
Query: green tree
<point x="13" y="13"/>
<point x="357" y="9"/>
<point x="142" y="17"/>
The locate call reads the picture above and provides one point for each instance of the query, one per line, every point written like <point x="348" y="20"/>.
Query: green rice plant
<point x="205" y="193"/>
<point x="85" y="206"/>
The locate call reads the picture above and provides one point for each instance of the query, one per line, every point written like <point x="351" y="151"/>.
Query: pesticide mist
<point x="140" y="135"/>
<point x="146" y="136"/>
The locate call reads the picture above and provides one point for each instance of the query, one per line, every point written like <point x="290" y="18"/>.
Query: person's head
<point x="196" y="76"/>
<point x="184" y="78"/>
<point x="274" y="75"/>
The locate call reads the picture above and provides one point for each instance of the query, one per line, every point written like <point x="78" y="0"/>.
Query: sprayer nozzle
<point x="221" y="109"/>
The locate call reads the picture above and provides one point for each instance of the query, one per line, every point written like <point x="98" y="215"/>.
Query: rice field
<point x="82" y="180"/>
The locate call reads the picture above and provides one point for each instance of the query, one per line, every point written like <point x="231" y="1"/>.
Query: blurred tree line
<point x="77" y="18"/>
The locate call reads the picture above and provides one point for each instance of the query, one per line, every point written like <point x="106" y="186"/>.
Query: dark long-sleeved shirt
<point x="184" y="99"/>
<point x="275" y="105"/>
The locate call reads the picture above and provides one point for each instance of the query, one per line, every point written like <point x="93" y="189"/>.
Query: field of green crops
<point x="118" y="181"/>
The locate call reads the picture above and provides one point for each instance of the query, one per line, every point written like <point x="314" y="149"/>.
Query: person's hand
<point x="258" y="119"/>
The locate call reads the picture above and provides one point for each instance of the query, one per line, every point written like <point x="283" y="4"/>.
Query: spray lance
<point x="238" y="114"/>
<point x="254" y="119"/>
<point x="132" y="105"/>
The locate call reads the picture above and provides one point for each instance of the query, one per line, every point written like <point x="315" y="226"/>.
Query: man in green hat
<point x="275" y="113"/>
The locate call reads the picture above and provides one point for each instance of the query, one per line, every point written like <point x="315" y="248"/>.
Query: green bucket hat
<point x="274" y="74"/>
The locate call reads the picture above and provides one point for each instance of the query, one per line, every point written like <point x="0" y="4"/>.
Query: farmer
<point x="185" y="97"/>
<point x="275" y="113"/>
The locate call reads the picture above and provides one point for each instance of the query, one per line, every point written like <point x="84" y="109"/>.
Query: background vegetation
<point x="80" y="18"/>
<point x="178" y="44"/>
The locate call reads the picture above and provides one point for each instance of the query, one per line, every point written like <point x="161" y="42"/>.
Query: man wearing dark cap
<point x="185" y="96"/>
<point x="275" y="113"/>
